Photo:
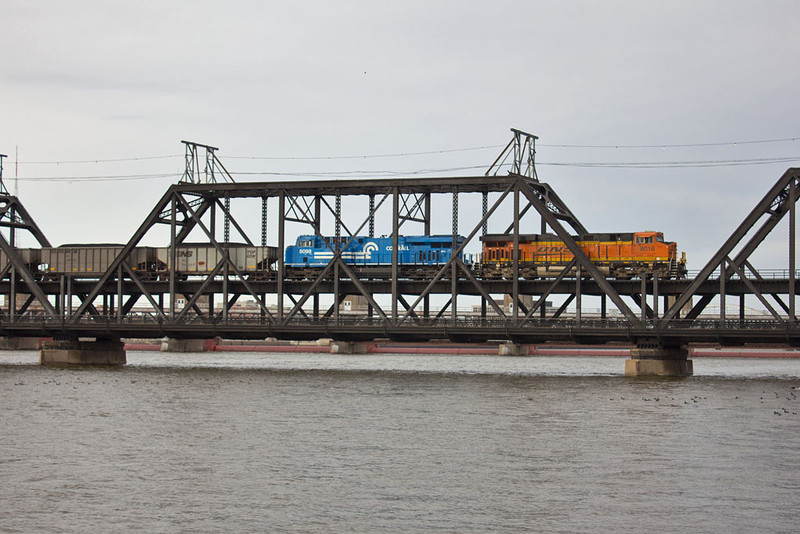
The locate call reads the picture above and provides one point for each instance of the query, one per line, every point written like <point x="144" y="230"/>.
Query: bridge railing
<point x="769" y="274"/>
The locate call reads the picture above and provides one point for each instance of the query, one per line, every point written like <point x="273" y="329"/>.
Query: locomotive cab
<point x="650" y="248"/>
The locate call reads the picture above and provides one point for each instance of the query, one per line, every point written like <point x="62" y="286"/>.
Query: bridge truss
<point x="209" y="207"/>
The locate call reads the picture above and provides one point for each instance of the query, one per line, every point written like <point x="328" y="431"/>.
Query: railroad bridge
<point x="87" y="313"/>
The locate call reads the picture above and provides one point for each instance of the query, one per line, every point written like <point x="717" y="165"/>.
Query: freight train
<point x="621" y="256"/>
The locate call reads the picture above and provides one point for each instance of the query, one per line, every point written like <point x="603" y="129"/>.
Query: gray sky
<point x="120" y="80"/>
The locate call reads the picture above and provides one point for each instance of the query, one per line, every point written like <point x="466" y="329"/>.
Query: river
<point x="232" y="442"/>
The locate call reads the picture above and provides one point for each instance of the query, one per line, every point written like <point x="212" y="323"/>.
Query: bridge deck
<point x="730" y="332"/>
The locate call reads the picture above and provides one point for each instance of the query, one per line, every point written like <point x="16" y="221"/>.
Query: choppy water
<point x="221" y="442"/>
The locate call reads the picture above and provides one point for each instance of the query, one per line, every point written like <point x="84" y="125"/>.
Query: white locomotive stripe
<point x="323" y="255"/>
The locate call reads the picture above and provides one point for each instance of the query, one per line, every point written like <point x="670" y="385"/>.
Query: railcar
<point x="621" y="255"/>
<point x="202" y="259"/>
<point x="91" y="261"/>
<point x="417" y="256"/>
<point x="31" y="257"/>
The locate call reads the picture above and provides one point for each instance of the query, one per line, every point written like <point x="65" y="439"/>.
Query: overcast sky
<point x="121" y="80"/>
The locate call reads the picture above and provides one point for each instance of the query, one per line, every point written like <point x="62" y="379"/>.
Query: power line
<point x="386" y="172"/>
<point x="412" y="172"/>
<point x="423" y="153"/>
<point x="678" y="145"/>
<point x="620" y="165"/>
<point x="558" y="145"/>
<point x="676" y="164"/>
<point x="123" y="177"/>
<point x="114" y="160"/>
<point x="364" y="156"/>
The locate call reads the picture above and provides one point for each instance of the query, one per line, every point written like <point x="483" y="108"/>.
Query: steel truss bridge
<point x="202" y="207"/>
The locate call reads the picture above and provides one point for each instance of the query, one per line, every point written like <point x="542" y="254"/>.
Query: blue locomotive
<point x="312" y="251"/>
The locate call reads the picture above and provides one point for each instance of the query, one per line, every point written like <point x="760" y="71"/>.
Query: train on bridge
<point x="620" y="256"/>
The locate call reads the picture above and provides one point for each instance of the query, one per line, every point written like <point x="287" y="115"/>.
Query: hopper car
<point x="91" y="261"/>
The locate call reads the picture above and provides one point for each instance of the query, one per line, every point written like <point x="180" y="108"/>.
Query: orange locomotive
<point x="622" y="256"/>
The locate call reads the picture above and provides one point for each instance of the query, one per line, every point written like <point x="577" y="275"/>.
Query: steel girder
<point x="583" y="261"/>
<point x="778" y="201"/>
<point x="191" y="209"/>
<point x="16" y="218"/>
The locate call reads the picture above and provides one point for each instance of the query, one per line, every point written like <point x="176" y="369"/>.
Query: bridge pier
<point x="75" y="352"/>
<point x="169" y="344"/>
<point x="20" y="343"/>
<point x="350" y="347"/>
<point x="513" y="349"/>
<point x="659" y="361"/>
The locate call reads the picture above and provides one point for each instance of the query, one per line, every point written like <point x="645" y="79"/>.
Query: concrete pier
<point x="350" y="347"/>
<point x="187" y="345"/>
<point x="659" y="361"/>
<point x="74" y="352"/>
<point x="512" y="349"/>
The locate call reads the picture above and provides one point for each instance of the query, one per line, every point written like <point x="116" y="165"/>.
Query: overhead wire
<point x="123" y="177"/>
<point x="428" y="171"/>
<point x="365" y="156"/>
<point x="678" y="145"/>
<point x="398" y="172"/>
<point x="112" y="160"/>
<point x="421" y="153"/>
<point x="676" y="164"/>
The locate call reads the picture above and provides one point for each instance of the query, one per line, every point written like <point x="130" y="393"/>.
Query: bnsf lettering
<point x="550" y="250"/>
